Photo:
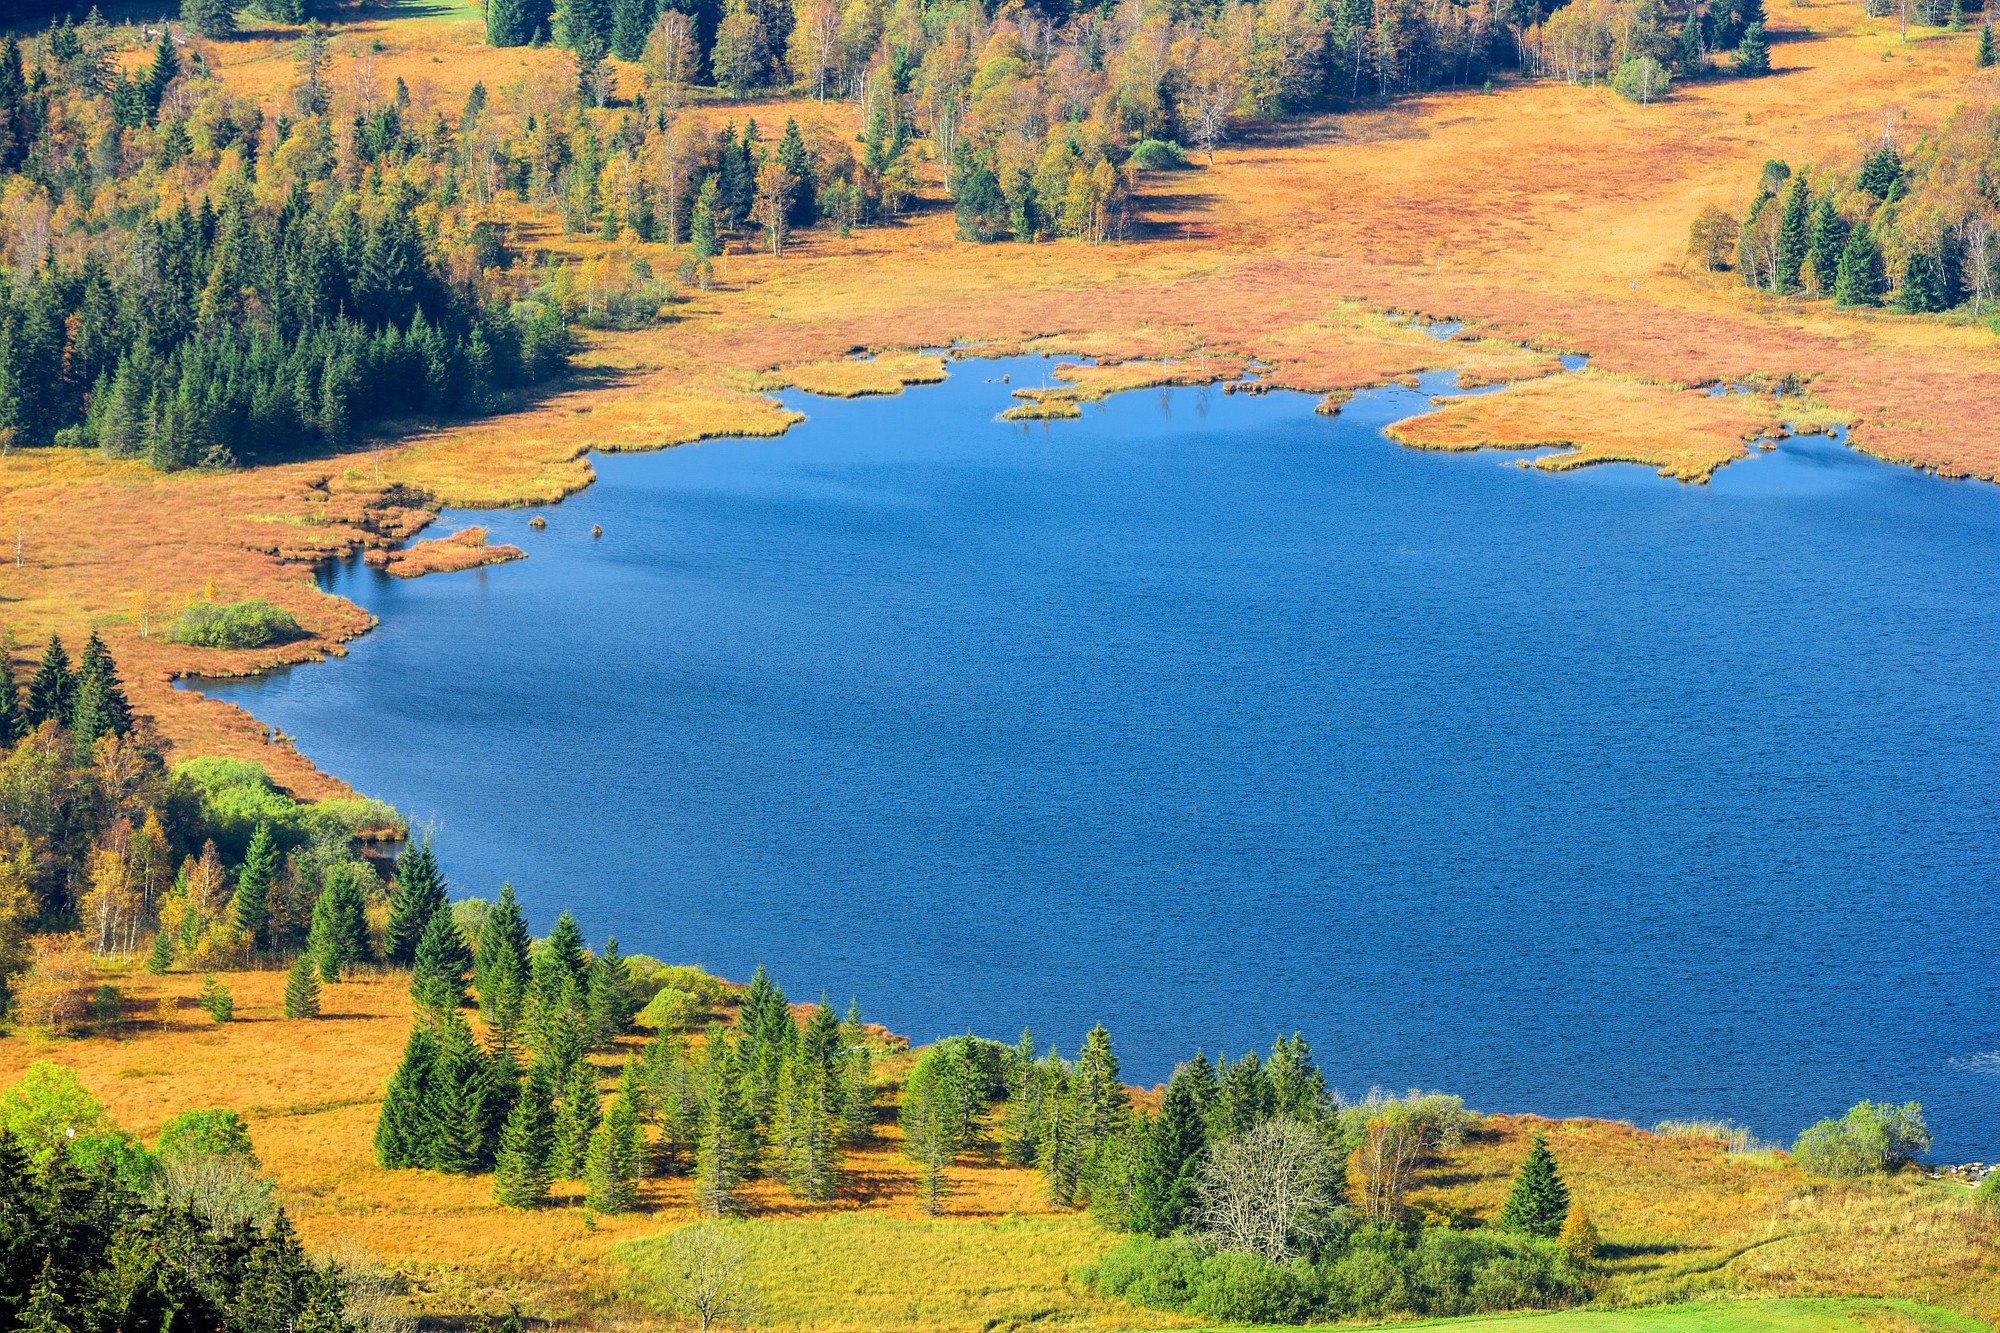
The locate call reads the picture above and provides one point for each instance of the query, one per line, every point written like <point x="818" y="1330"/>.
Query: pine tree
<point x="302" y="989"/>
<point x="1792" y="246"/>
<point x="576" y="1120"/>
<point x="857" y="1079"/>
<point x="418" y="893"/>
<point x="339" y="934"/>
<point x="559" y="1044"/>
<point x="52" y="693"/>
<point x="165" y="69"/>
<point x="610" y="1005"/>
<point x="1984" y="57"/>
<point x="1539" y="1201"/>
<point x="1859" y="281"/>
<point x="216" y="1000"/>
<point x="1881" y="172"/>
<point x="673" y="1086"/>
<point x="808" y="1110"/>
<point x="1298" y="1089"/>
<point x="578" y="22"/>
<point x="1025" y="1111"/>
<point x="1753" y="53"/>
<point x="722" y="1147"/>
<point x="253" y="887"/>
<point x="12" y="725"/>
<point x="1102" y="1102"/>
<point x="615" y="1158"/>
<point x="561" y="966"/>
<point x="521" y="1167"/>
<point x="1922" y="290"/>
<point x="1164" y="1184"/>
<point x="437" y="981"/>
<point x="934" y="1115"/>
<point x="405" y="1134"/>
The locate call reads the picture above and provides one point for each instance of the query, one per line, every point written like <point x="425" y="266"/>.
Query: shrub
<point x="1158" y="155"/>
<point x="1872" y="1137"/>
<point x="670" y="1010"/>
<point x="1988" y="1191"/>
<point x="212" y="1133"/>
<point x="251" y="623"/>
<point x="1642" y="80"/>
<point x="236" y="795"/>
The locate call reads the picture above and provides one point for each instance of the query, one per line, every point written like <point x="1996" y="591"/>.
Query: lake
<point x="1211" y="719"/>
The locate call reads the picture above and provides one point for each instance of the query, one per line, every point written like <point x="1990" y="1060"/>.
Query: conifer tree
<point x="1057" y="1155"/>
<point x="506" y="22"/>
<point x="1792" y="240"/>
<point x="1828" y="238"/>
<point x="437" y="981"/>
<point x="302" y="989"/>
<point x="165" y="69"/>
<point x="216" y="1000"/>
<point x="500" y="965"/>
<point x="1102" y="1102"/>
<point x="1753" y="53"/>
<point x="937" y="1099"/>
<point x="459" y="1100"/>
<point x="1859" y="281"/>
<point x="559" y="1044"/>
<point x="1689" y="58"/>
<point x="809" y="1110"/>
<point x="722" y="1150"/>
<point x="793" y="157"/>
<point x="631" y="21"/>
<point x="521" y="1166"/>
<point x="52" y="693"/>
<point x="1922" y="289"/>
<point x="418" y="893"/>
<point x="616" y="1158"/>
<point x="1578" y="1236"/>
<point x="857" y="1079"/>
<point x="12" y="725"/>
<point x="1165" y="1181"/>
<point x="253" y="887"/>
<point x="339" y="934"/>
<point x="673" y="1086"/>
<point x="101" y="707"/>
<point x="210" y="18"/>
<point x="1984" y="57"/>
<point x="703" y="236"/>
<point x="610" y="1004"/>
<point x="1539" y="1201"/>
<point x="561" y="966"/>
<point x="576" y="1120"/>
<point x="162" y="956"/>
<point x="405" y="1133"/>
<point x="1881" y="172"/>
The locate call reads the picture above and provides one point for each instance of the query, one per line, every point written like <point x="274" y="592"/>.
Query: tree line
<point x="1917" y="232"/>
<point x="288" y="296"/>
<point x="765" y="1096"/>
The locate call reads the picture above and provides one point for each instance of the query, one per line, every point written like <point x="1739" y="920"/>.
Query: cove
<point x="1211" y="719"/>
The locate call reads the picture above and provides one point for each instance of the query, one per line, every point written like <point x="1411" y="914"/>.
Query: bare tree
<point x="706" y="1275"/>
<point x="1978" y="233"/>
<point x="1270" y="1190"/>
<point x="1398" y="1134"/>
<point x="1214" y="85"/>
<point x="671" y="59"/>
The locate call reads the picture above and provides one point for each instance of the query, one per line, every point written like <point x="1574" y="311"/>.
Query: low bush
<point x="1641" y="79"/>
<point x="247" y="624"/>
<point x="1872" y="1138"/>
<point x="1158" y="155"/>
<point x="1373" y="1273"/>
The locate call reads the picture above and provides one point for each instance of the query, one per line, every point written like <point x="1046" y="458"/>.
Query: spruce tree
<point x="1881" y="172"/>
<point x="1859" y="281"/>
<point x="1539" y="1201"/>
<point x="559" y="1043"/>
<point x="576" y="1120"/>
<point x="704" y="239"/>
<point x="1166" y="1180"/>
<point x="459" y="1100"/>
<point x="521" y="1166"/>
<point x="1984" y="57"/>
<point x="1753" y="53"/>
<point x="631" y="22"/>
<point x="1922" y="289"/>
<point x="673" y="1087"/>
<point x="165" y="69"/>
<point x="500" y="966"/>
<point x="610" y="1005"/>
<point x="722" y="1147"/>
<point x="437" y="981"/>
<point x="1792" y="245"/>
<point x="792" y="155"/>
<point x="100" y="706"/>
<point x="13" y="726"/>
<point x="210" y="18"/>
<point x="1828" y="238"/>
<point x="405" y="1133"/>
<point x="162" y="956"/>
<point x="507" y="22"/>
<point x="339" y="934"/>
<point x="302" y="989"/>
<point x="1689" y="58"/>
<point x="253" y="887"/>
<point x="52" y="693"/>
<point x="615" y="1163"/>
<point x="418" y="893"/>
<point x="561" y="966"/>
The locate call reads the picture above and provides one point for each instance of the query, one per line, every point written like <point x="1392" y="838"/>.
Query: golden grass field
<point x="1547" y="218"/>
<point x="1681" y="1219"/>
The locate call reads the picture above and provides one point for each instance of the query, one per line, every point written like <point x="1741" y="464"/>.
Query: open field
<point x="1681" y="1218"/>
<point x="1546" y="217"/>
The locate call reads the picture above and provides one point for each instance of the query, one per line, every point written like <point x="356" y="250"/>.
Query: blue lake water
<point x="1211" y="719"/>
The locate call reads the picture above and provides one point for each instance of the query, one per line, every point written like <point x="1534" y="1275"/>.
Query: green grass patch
<point x="1721" y="1316"/>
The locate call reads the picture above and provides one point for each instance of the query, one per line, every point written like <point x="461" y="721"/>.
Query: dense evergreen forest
<point x="1921" y="232"/>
